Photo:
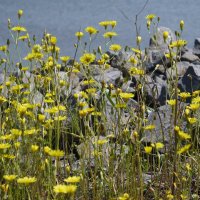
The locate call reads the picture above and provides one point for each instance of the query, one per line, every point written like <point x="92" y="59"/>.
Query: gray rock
<point x="156" y="92"/>
<point x="181" y="69"/>
<point x="191" y="79"/>
<point x="111" y="75"/>
<point x="189" y="56"/>
<point x="159" y="42"/>
<point x="163" y="120"/>
<point x="196" y="49"/>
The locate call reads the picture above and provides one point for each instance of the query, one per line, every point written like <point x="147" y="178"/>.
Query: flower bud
<point x="181" y="25"/>
<point x="165" y="35"/>
<point x="139" y="40"/>
<point x="20" y="13"/>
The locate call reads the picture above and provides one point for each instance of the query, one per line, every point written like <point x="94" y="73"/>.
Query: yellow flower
<point x="102" y="142"/>
<point x="183" y="135"/>
<point x="47" y="149"/>
<point x="105" y="24"/>
<point x="60" y="118"/>
<point x="184" y="149"/>
<point x="150" y="127"/>
<point x="179" y="43"/>
<point x="3" y="48"/>
<point x="66" y="189"/>
<point x="125" y="95"/>
<point x="6" y="137"/>
<point x="159" y="145"/>
<point x="192" y="120"/>
<point x="133" y="60"/>
<point x="91" y="30"/>
<point x="150" y="17"/>
<point x="135" y="71"/>
<point x="88" y="82"/>
<point x="87" y="58"/>
<point x="115" y="47"/>
<point x="16" y="132"/>
<point x="2" y="99"/>
<point x="148" y="149"/>
<point x="109" y="34"/>
<point x="30" y="131"/>
<point x="10" y="177"/>
<point x="9" y="156"/>
<point x="171" y="102"/>
<point x="137" y="51"/>
<point x="53" y="40"/>
<point x="56" y="153"/>
<point x="79" y="35"/>
<point x="23" y="37"/>
<point x="73" y="179"/>
<point x="34" y="148"/>
<point x="26" y="180"/>
<point x="64" y="58"/>
<point x="19" y="29"/>
<point x="17" y="145"/>
<point x="194" y="106"/>
<point x="5" y="145"/>
<point x="184" y="95"/>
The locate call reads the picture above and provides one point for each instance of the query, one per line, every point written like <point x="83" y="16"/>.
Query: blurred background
<point x="65" y="17"/>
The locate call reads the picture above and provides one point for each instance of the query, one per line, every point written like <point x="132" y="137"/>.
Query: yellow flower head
<point x="109" y="35"/>
<point x="150" y="127"/>
<point x="64" y="58"/>
<point x="5" y="145"/>
<point x="87" y="58"/>
<point x="179" y="43"/>
<point x="2" y="99"/>
<point x="73" y="179"/>
<point x="56" y="153"/>
<point x="184" y="149"/>
<point x="150" y="17"/>
<point x="148" y="149"/>
<point x="19" y="29"/>
<point x="10" y="177"/>
<point x="115" y="47"/>
<point x="105" y="24"/>
<point x="91" y="30"/>
<point x="79" y="34"/>
<point x="125" y="95"/>
<point x="26" y="180"/>
<point x="34" y="148"/>
<point x="66" y="189"/>
<point x="171" y="102"/>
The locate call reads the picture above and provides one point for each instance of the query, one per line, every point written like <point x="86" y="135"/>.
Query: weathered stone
<point x="189" y="56"/>
<point x="163" y="120"/>
<point x="111" y="75"/>
<point x="181" y="69"/>
<point x="156" y="92"/>
<point x="196" y="49"/>
<point x="157" y="42"/>
<point x="191" y="79"/>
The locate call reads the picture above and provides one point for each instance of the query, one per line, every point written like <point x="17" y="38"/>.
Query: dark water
<point x="64" y="17"/>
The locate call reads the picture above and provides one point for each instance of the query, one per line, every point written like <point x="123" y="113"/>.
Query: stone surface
<point x="191" y="79"/>
<point x="156" y="92"/>
<point x="189" y="56"/>
<point x="159" y="43"/>
<point x="196" y="49"/>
